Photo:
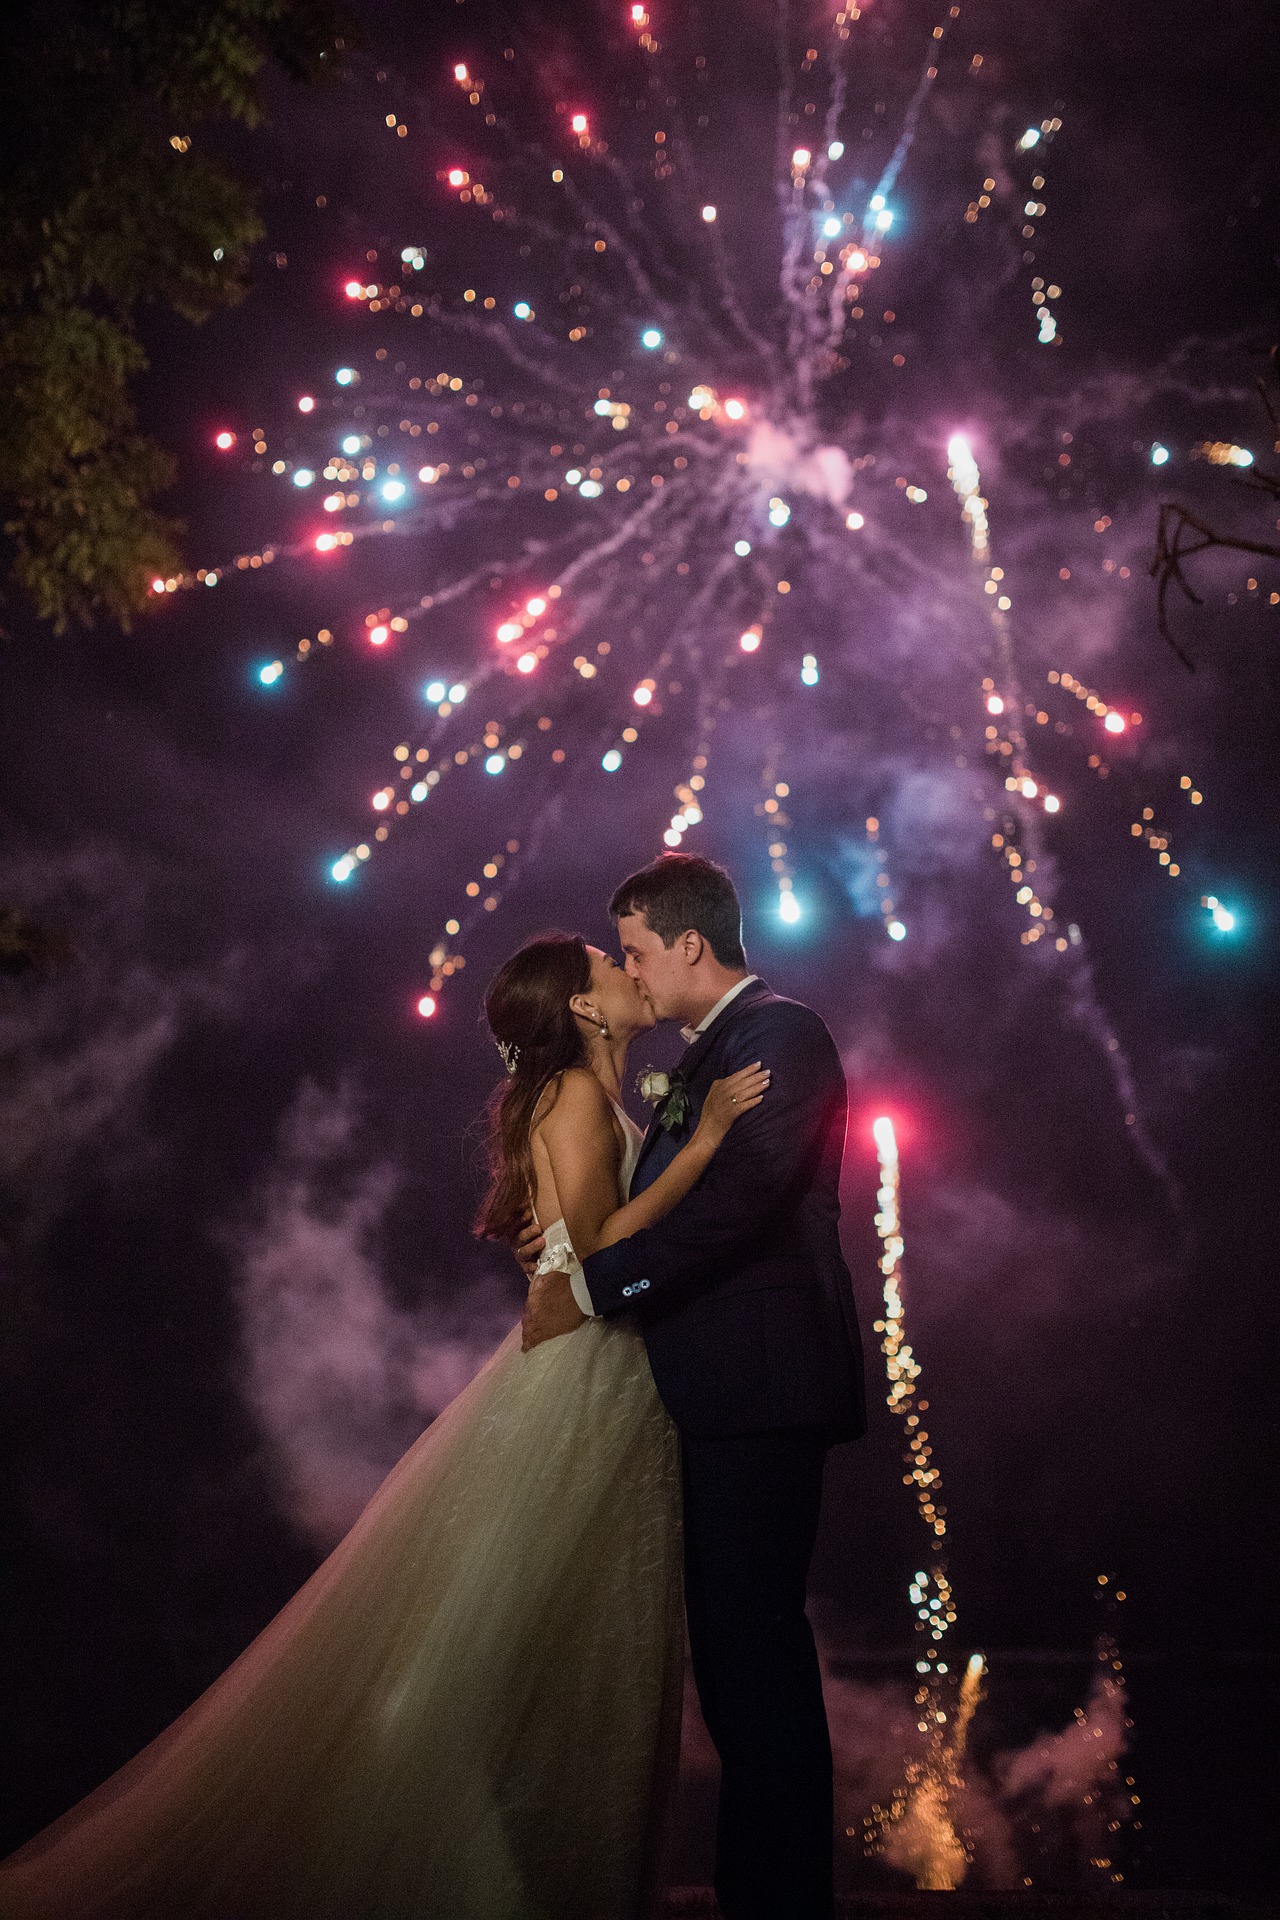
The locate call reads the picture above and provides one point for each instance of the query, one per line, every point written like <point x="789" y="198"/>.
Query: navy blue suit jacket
<point x="742" y="1291"/>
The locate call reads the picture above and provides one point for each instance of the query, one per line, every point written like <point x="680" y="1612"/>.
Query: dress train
<point x="471" y="1711"/>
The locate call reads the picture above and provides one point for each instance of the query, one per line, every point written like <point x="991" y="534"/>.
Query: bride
<point x="471" y="1711"/>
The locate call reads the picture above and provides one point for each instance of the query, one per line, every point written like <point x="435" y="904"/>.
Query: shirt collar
<point x="690" y="1034"/>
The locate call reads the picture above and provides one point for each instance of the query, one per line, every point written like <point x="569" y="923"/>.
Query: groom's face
<point x="663" y="973"/>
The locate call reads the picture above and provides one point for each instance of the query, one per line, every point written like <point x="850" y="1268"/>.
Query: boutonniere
<point x="668" y="1093"/>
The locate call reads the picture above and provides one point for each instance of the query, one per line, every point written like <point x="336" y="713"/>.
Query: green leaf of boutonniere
<point x="674" y="1110"/>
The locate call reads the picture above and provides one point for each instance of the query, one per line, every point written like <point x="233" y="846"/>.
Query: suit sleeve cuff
<point x="578" y="1282"/>
<point x="612" y="1274"/>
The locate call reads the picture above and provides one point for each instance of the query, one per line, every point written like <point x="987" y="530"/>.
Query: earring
<point x="604" y="1031"/>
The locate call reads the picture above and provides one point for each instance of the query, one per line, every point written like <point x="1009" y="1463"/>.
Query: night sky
<point x="241" y="1169"/>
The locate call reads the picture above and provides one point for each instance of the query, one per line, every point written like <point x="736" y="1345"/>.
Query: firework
<point x="628" y="430"/>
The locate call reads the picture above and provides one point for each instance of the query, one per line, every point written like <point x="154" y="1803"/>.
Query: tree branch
<point x="1181" y="533"/>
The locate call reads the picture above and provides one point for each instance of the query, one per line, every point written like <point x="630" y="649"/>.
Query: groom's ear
<point x="694" y="946"/>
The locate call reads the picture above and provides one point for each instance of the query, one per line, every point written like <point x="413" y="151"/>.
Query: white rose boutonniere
<point x="668" y="1093"/>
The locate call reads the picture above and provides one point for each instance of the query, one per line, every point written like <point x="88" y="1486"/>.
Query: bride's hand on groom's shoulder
<point x="528" y="1246"/>
<point x="728" y="1099"/>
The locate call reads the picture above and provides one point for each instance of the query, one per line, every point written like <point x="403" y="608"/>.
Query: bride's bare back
<point x="601" y="1140"/>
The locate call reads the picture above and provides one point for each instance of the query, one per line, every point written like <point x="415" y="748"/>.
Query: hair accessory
<point x="510" y="1053"/>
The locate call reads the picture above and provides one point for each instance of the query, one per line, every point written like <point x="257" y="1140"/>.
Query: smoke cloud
<point x="80" y="1040"/>
<point x="340" y="1378"/>
<point x="1060" y="1770"/>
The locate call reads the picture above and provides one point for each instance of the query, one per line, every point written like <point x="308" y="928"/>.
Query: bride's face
<point x="623" y="1005"/>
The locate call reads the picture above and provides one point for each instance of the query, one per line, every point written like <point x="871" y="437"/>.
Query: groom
<point x="745" y="1304"/>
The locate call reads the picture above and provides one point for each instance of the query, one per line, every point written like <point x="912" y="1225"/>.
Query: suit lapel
<point x="692" y="1057"/>
<point x="651" y="1134"/>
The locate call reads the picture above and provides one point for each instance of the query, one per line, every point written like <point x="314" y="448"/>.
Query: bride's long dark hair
<point x="527" y="1007"/>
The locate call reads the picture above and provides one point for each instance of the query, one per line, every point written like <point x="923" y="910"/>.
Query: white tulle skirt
<point x="470" y="1712"/>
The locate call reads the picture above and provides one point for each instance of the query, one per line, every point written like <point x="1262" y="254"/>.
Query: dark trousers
<point x="750" y="1516"/>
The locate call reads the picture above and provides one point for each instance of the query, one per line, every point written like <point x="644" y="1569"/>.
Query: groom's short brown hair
<point x="682" y="892"/>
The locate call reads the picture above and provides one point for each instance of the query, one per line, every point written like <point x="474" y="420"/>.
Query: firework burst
<point x="648" y="393"/>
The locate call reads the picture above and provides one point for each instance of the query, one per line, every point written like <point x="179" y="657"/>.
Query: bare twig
<point x="1181" y="533"/>
<point x="1173" y="547"/>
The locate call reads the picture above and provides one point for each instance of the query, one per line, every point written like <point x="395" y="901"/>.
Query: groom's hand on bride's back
<point x="528" y="1246"/>
<point x="549" y="1311"/>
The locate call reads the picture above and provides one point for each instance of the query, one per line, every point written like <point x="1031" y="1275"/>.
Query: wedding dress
<point x="471" y="1710"/>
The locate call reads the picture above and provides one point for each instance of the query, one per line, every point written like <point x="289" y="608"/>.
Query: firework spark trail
<point x="1022" y="827"/>
<point x="727" y="292"/>
<point x="686" y="301"/>
<point x="592" y="560"/>
<point x="539" y="367"/>
<point x="443" y="960"/>
<point x="918" y="1829"/>
<point x="1092" y="1018"/>
<point x="921" y="1830"/>
<point x="911" y="120"/>
<point x="970" y="1700"/>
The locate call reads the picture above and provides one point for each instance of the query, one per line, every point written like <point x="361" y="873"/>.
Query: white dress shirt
<point x="577" y="1279"/>
<point x="690" y="1034"/>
